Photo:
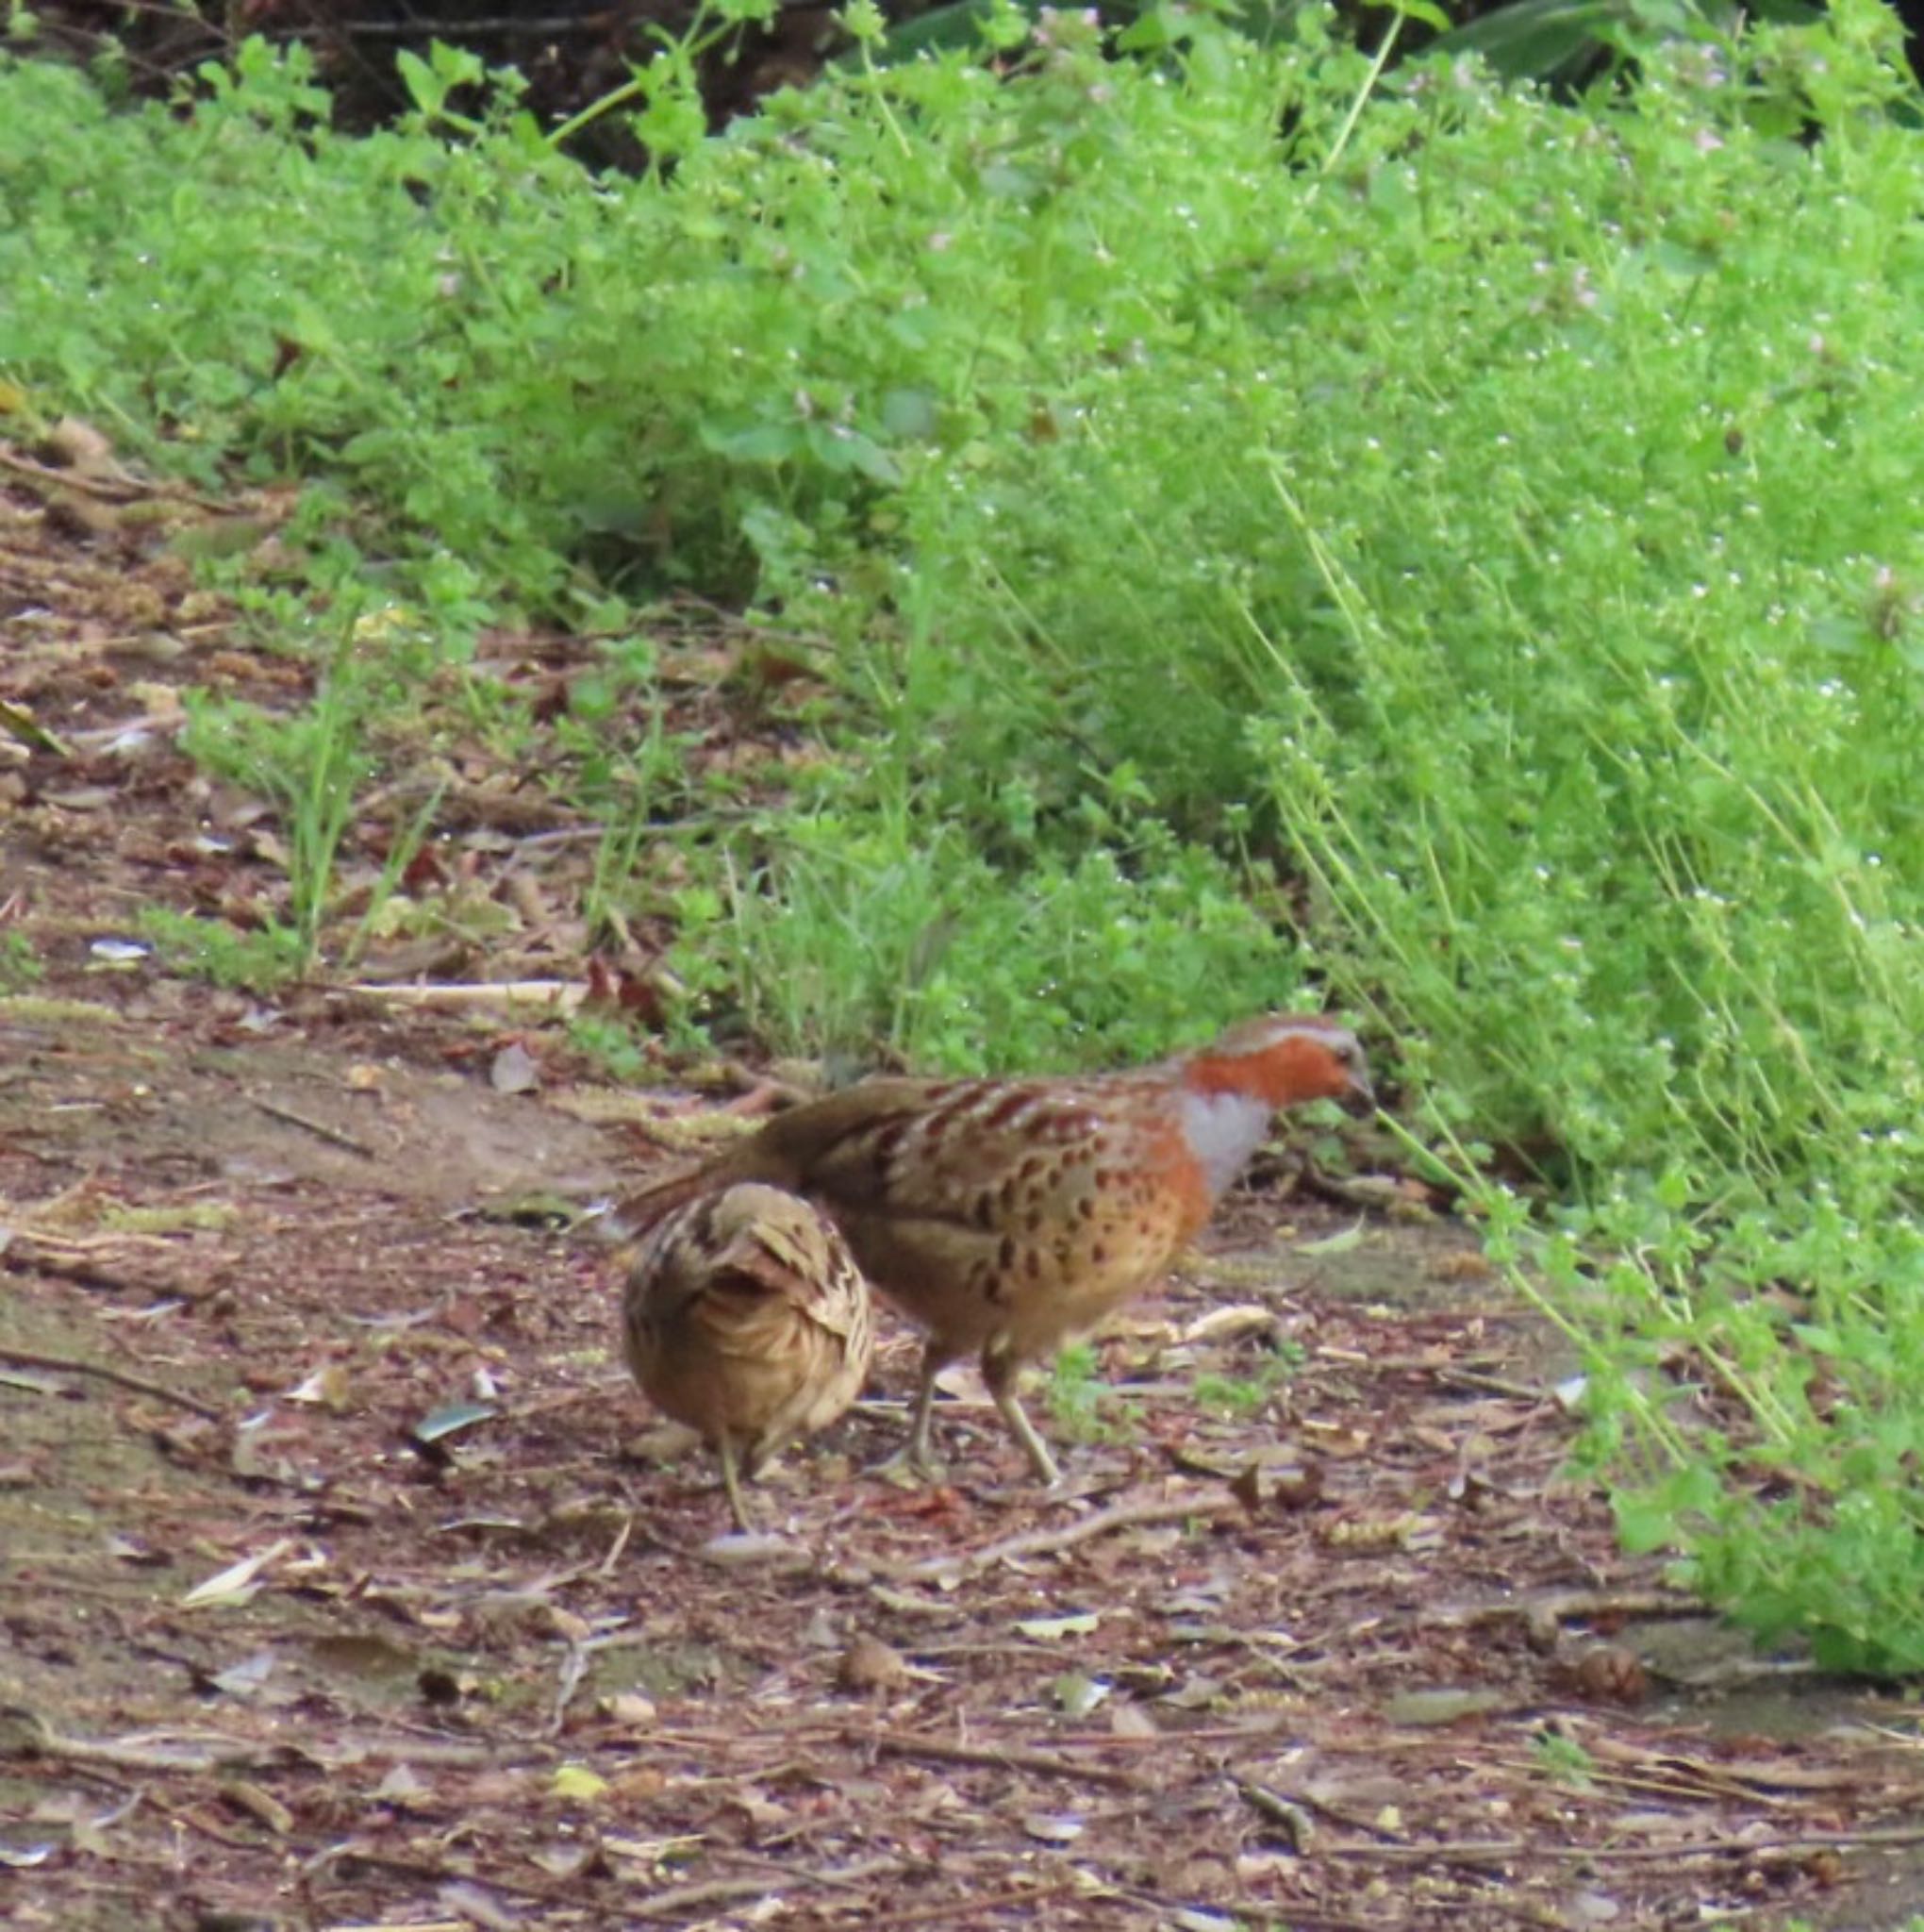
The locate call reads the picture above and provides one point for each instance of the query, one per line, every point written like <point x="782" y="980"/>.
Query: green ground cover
<point x="1274" y="528"/>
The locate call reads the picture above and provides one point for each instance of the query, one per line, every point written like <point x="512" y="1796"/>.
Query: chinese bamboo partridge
<point x="1006" y="1215"/>
<point x="746" y="1318"/>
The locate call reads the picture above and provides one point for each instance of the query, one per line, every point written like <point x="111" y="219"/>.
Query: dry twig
<point x="1564" y="1605"/>
<point x="64" y="1260"/>
<point x="706" y="1892"/>
<point x="972" y="1903"/>
<point x="562" y="994"/>
<point x="1045" y="1543"/>
<point x="335" y="1136"/>
<point x="997" y="1756"/>
<point x="138" y="1385"/>
<point x="154" y="1751"/>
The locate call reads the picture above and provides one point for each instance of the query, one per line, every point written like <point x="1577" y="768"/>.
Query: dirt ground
<point x="345" y="1581"/>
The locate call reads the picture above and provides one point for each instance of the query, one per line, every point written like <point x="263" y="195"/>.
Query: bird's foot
<point x="911" y="1466"/>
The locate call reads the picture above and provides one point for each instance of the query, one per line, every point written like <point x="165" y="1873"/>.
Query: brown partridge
<point x="1004" y="1216"/>
<point x="746" y="1318"/>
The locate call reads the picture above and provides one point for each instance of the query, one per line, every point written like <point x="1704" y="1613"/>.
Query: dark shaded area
<point x="573" y="54"/>
<point x="1911" y="13"/>
<point x="570" y="54"/>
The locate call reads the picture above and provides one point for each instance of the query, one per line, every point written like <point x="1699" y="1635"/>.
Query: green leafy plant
<point x="259" y="962"/>
<point x="1247" y="1396"/>
<point x="608" y="1045"/>
<point x="310" y="764"/>
<point x="627" y="785"/>
<point x="1085" y="1408"/>
<point x="863" y="925"/>
<point x="21" y="965"/>
<point x="1571" y="43"/>
<point x="1563" y="1759"/>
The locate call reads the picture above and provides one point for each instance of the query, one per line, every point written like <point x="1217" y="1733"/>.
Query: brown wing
<point x="782" y="1152"/>
<point x="949" y="1151"/>
<point x="797" y="1145"/>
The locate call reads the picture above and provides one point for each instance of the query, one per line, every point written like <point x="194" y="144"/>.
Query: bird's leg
<point x="731" y="1481"/>
<point x="998" y="1372"/>
<point x="920" y="1455"/>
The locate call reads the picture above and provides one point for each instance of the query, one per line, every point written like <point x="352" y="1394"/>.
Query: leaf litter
<point x="348" y="1583"/>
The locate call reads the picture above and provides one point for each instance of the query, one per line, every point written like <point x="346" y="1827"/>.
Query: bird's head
<point x="1285" y="1059"/>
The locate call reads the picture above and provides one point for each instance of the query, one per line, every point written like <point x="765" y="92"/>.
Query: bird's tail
<point x="635" y="1214"/>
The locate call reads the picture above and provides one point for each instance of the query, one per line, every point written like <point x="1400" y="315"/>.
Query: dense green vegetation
<point x="1267" y="522"/>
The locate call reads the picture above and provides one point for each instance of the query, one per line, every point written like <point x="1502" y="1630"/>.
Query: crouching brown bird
<point x="746" y="1318"/>
<point x="1005" y="1215"/>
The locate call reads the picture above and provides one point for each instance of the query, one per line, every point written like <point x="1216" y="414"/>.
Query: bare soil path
<point x="345" y="1582"/>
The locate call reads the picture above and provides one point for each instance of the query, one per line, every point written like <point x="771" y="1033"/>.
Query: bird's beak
<point x="1359" y="1097"/>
